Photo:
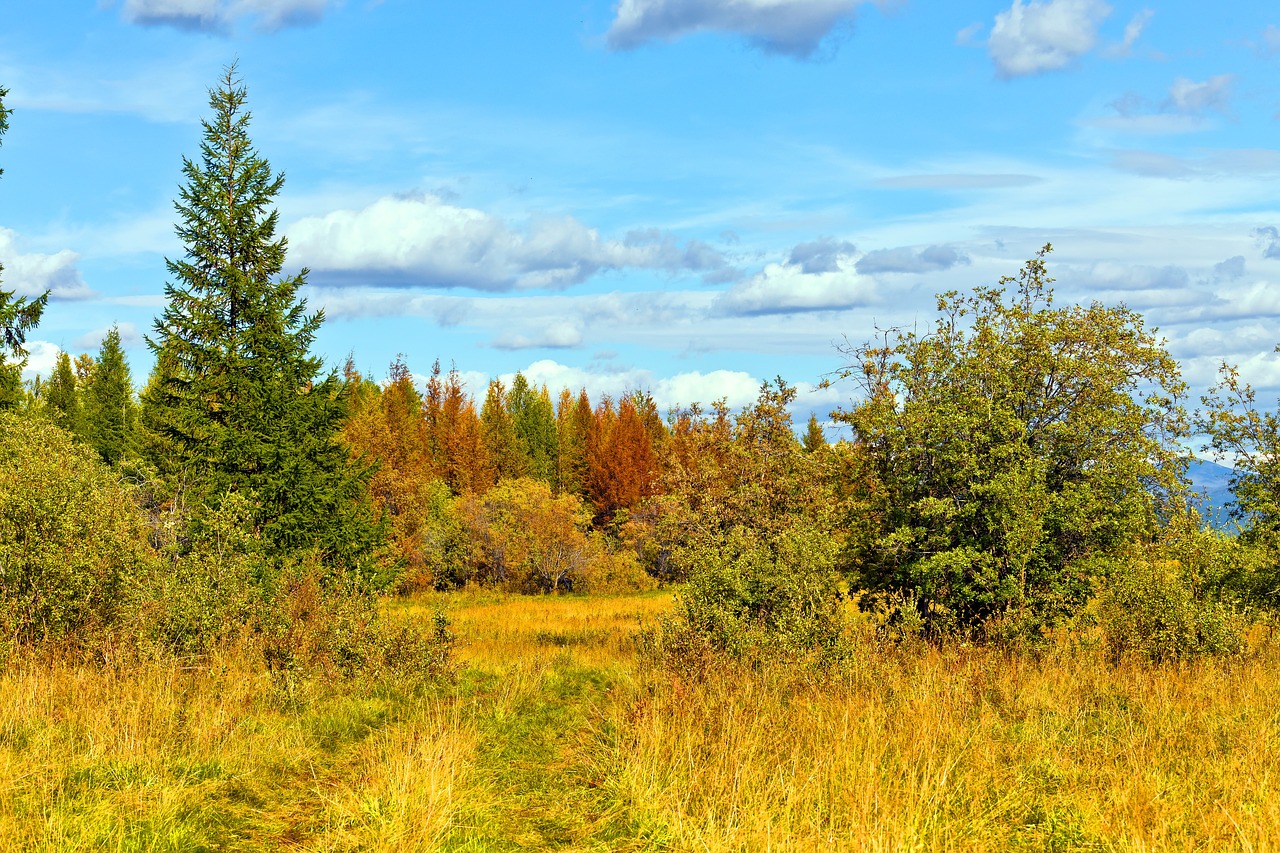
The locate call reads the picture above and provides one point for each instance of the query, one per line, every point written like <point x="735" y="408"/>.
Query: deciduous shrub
<point x="749" y="596"/>
<point x="1151" y="607"/>
<point x="1189" y="594"/>
<point x="73" y="543"/>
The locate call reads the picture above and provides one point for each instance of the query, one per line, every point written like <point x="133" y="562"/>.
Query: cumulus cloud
<point x="1230" y="269"/>
<point x="907" y="260"/>
<point x="560" y="335"/>
<point x="31" y="274"/>
<point x="93" y="340"/>
<point x="42" y="358"/>
<point x="822" y="255"/>
<point x="791" y="27"/>
<point x="222" y="15"/>
<point x="1189" y="97"/>
<point x="424" y="240"/>
<point x="818" y="276"/>
<point x="736" y="387"/>
<point x="1038" y="36"/>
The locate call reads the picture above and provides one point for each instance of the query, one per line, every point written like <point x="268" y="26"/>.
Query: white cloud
<point x="1271" y="39"/>
<point x="221" y="15"/>
<point x="792" y="27"/>
<point x="1189" y="97"/>
<point x="560" y="335"/>
<point x="424" y="240"/>
<point x="1044" y="36"/>
<point x="738" y="388"/>
<point x="968" y="36"/>
<point x="93" y="340"/>
<point x="42" y="358"/>
<point x="819" y="276"/>
<point x="1132" y="32"/>
<point x="31" y="274"/>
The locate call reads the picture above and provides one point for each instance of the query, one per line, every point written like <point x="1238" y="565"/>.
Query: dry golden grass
<point x="158" y="758"/>
<point x="960" y="750"/>
<point x="554" y="738"/>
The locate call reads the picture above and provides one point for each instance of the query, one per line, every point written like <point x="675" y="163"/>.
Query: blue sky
<point x="687" y="196"/>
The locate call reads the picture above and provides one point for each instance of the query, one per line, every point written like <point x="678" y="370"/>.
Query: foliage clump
<point x="996" y="456"/>
<point x="525" y="538"/>
<point x="747" y="524"/>
<point x="73" y="546"/>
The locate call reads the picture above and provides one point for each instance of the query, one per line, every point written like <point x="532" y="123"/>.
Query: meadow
<point x="553" y="734"/>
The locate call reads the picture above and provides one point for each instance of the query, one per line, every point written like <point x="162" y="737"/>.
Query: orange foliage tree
<point x="622" y="467"/>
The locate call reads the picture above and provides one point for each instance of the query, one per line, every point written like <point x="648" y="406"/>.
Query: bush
<point x="1153" y="608"/>
<point x="212" y="587"/>
<point x="73" y="543"/>
<point x="749" y="596"/>
<point x="307" y="629"/>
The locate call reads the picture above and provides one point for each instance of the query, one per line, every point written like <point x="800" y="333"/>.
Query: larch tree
<point x="238" y="396"/>
<point x="17" y="317"/>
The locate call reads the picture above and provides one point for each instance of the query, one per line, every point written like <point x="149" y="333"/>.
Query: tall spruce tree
<point x="17" y="317"/>
<point x="238" y="397"/>
<point x="110" y="414"/>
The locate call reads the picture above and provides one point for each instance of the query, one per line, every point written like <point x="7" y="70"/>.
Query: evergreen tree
<point x="238" y="397"/>
<point x="17" y="317"/>
<point x="62" y="398"/>
<point x="110" y="414"/>
<point x="814" y="438"/>
<point x="534" y="420"/>
<point x="498" y="434"/>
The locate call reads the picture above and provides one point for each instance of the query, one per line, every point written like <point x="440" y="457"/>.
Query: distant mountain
<point x="1213" y="482"/>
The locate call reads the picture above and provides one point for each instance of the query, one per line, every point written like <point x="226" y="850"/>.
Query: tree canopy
<point x="999" y="452"/>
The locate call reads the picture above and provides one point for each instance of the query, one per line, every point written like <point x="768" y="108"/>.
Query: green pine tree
<point x="238" y="399"/>
<point x="62" y="399"/>
<point x="17" y="317"/>
<point x="110" y="414"/>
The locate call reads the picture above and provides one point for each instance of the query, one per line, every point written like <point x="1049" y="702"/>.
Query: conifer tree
<point x="238" y="397"/>
<point x="110" y="414"/>
<point x="17" y="317"/>
<point x="498" y="433"/>
<point x="814" y="438"/>
<point x="62" y="398"/>
<point x="535" y="425"/>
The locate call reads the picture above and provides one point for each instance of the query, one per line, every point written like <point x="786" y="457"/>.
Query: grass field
<point x="553" y="737"/>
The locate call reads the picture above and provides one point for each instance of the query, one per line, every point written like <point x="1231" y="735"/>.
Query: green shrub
<point x="1153" y="608"/>
<point x="749" y="595"/>
<point x="73" y="543"/>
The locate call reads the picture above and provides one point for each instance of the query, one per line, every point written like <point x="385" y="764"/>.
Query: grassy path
<point x="535" y="780"/>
